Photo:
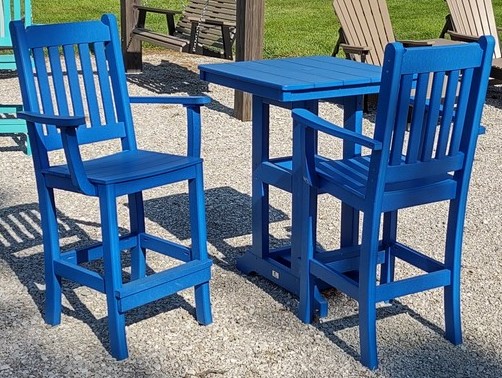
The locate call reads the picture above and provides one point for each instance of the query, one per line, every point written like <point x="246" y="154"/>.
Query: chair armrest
<point x="462" y="37"/>
<point x="411" y="42"/>
<point x="68" y="126"/>
<point x="156" y="10"/>
<point x="58" y="121"/>
<point x="315" y="122"/>
<point x="351" y="49"/>
<point x="179" y="100"/>
<point x="193" y="104"/>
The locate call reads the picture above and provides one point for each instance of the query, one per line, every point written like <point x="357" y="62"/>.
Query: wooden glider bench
<point x="206" y="27"/>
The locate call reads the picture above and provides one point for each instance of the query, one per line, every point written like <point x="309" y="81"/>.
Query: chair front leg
<point x="199" y="243"/>
<point x="137" y="222"/>
<point x="113" y="270"/>
<point x="367" y="289"/>
<point x="52" y="252"/>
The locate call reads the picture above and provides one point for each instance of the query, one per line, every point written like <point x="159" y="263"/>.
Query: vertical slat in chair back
<point x="366" y="23"/>
<point x="77" y="70"/>
<point x="475" y="17"/>
<point x="209" y="35"/>
<point x="447" y="101"/>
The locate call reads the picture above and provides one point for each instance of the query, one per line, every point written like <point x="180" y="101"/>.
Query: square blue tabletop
<point x="296" y="79"/>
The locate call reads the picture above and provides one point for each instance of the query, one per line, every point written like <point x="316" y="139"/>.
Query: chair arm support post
<point x="68" y="126"/>
<point x="194" y="126"/>
<point x="309" y="119"/>
<point x="448" y="25"/>
<point x="227" y="41"/>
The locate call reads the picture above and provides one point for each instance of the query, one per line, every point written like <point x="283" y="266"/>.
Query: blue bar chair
<point x="431" y="163"/>
<point x="87" y="102"/>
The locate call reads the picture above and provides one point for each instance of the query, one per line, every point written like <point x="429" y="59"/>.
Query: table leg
<point x="352" y="120"/>
<point x="279" y="266"/>
<point x="260" y="190"/>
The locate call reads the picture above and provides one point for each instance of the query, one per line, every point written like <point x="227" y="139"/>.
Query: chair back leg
<point x="137" y="223"/>
<point x="199" y="244"/>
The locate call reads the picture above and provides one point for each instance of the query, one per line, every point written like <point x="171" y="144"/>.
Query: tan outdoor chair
<point x="469" y="19"/>
<point x="365" y="30"/>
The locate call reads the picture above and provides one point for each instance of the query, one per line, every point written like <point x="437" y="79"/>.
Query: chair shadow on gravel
<point x="18" y="145"/>
<point x="21" y="248"/>
<point x="169" y="78"/>
<point x="396" y="359"/>
<point x="228" y="219"/>
<point x="494" y="96"/>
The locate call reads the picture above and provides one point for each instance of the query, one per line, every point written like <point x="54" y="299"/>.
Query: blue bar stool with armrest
<point x="88" y="102"/>
<point x="431" y="163"/>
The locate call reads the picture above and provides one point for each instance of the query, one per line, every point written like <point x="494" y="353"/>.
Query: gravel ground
<point x="255" y="331"/>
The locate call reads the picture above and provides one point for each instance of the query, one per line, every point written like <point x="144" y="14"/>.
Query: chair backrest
<point x="447" y="85"/>
<point x="366" y="23"/>
<point x="474" y="17"/>
<point x="77" y="70"/>
<point x="11" y="10"/>
<point x="218" y="10"/>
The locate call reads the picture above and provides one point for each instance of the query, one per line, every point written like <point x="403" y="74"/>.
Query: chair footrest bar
<point x="79" y="274"/>
<point x="335" y="279"/>
<point x="95" y="251"/>
<point x="415" y="258"/>
<point x="412" y="285"/>
<point x="165" y="247"/>
<point x="159" y="285"/>
<point x="344" y="259"/>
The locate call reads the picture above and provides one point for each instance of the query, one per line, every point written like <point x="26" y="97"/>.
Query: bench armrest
<point x="156" y="10"/>
<point x="358" y="50"/>
<point x="211" y="21"/>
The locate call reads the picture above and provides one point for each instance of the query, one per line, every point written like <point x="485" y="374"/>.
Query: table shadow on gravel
<point x="228" y="216"/>
<point x="168" y="79"/>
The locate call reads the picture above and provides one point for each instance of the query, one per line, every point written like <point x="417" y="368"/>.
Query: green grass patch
<point x="292" y="27"/>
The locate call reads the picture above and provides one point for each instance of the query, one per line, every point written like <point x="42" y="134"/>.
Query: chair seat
<point x="347" y="179"/>
<point x="127" y="166"/>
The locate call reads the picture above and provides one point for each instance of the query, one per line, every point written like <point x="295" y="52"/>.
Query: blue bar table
<point x="291" y="83"/>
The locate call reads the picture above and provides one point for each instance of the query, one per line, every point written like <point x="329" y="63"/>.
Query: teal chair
<point x="9" y="124"/>
<point x="75" y="93"/>
<point x="430" y="163"/>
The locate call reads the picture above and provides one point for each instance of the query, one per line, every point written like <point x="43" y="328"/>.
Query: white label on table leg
<point x="275" y="274"/>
